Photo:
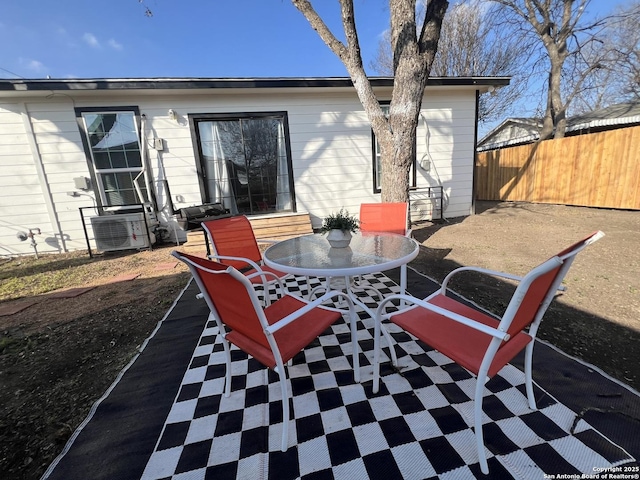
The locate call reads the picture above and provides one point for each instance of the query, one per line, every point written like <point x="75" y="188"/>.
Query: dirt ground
<point x="598" y="317"/>
<point x="58" y="356"/>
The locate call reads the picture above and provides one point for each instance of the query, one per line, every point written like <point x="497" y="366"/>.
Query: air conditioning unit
<point x="120" y="232"/>
<point x="421" y="210"/>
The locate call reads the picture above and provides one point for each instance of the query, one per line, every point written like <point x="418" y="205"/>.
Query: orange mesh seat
<point x="273" y="335"/>
<point x="478" y="341"/>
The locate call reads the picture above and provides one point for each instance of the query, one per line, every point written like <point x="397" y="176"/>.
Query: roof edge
<point x="84" y="84"/>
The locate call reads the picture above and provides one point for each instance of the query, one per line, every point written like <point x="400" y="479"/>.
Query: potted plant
<point x="339" y="227"/>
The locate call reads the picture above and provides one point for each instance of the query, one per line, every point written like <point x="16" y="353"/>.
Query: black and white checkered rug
<point x="418" y="426"/>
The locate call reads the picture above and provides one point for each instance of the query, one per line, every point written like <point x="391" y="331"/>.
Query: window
<point x="111" y="138"/>
<point x="246" y="161"/>
<point x="377" y="159"/>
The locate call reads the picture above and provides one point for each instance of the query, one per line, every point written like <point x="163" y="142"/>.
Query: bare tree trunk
<point x="554" y="22"/>
<point x="555" y="119"/>
<point x="412" y="59"/>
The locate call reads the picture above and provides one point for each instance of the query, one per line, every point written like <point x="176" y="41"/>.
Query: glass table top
<point x="367" y="253"/>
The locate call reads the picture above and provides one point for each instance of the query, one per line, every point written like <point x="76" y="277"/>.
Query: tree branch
<point x="431" y="28"/>
<point x="336" y="46"/>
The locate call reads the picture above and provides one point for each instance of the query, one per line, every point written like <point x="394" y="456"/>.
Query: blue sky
<point x="215" y="38"/>
<point x="184" y="38"/>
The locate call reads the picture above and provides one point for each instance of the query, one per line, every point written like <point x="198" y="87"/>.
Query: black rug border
<point x="122" y="433"/>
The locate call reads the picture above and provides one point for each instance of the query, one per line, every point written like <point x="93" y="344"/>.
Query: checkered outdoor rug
<point x="418" y="426"/>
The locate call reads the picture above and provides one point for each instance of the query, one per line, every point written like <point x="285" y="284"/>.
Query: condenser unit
<point x="120" y="232"/>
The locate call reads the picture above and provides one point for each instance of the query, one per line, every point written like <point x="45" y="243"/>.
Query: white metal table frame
<point x="311" y="255"/>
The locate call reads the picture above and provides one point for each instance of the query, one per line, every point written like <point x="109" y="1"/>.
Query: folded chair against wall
<point x="273" y="335"/>
<point x="478" y="342"/>
<point x="233" y="243"/>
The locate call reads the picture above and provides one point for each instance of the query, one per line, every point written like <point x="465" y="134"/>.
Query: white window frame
<point x="99" y="173"/>
<point x="377" y="159"/>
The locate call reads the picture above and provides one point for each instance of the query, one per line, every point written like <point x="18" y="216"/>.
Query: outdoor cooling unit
<point x="120" y="232"/>
<point x="426" y="204"/>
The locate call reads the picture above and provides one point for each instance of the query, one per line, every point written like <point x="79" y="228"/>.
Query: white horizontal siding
<point x="445" y="136"/>
<point x="330" y="141"/>
<point x="63" y="158"/>
<point x="22" y="204"/>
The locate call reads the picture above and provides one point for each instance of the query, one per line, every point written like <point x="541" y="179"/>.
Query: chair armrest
<point x="283" y="322"/>
<point x="264" y="275"/>
<point x="494" y="332"/>
<point x="241" y="259"/>
<point x="485" y="271"/>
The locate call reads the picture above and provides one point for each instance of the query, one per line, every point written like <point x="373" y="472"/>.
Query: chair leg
<point x="477" y="415"/>
<point x="392" y="350"/>
<point x="266" y="297"/>
<point x="379" y="329"/>
<point x="403" y="284"/>
<point x="227" y="361"/>
<point x="528" y="368"/>
<point x="376" y="356"/>
<point x="354" y="346"/>
<point x="285" y="409"/>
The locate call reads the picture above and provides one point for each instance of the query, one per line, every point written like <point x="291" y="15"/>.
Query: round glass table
<point x="311" y="255"/>
<point x="367" y="253"/>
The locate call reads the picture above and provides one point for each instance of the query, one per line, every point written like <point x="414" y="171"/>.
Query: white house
<point x="75" y="149"/>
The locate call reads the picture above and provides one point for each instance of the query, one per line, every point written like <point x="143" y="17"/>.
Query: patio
<point x="164" y="416"/>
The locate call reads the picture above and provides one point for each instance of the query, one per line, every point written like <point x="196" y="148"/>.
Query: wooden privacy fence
<point x="595" y="170"/>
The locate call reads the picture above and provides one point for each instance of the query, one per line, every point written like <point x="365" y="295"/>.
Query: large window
<point x="112" y="140"/>
<point x="246" y="161"/>
<point x="377" y="160"/>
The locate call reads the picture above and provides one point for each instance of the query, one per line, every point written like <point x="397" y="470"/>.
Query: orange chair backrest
<point x="541" y="288"/>
<point x="229" y="296"/>
<point x="384" y="217"/>
<point x="233" y="237"/>
<point x="533" y="299"/>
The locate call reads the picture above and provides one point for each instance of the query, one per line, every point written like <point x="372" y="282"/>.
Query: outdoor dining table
<point x="312" y="255"/>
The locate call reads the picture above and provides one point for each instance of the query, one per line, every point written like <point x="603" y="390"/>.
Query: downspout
<point x="475" y="155"/>
<point x="42" y="176"/>
<point x="144" y="172"/>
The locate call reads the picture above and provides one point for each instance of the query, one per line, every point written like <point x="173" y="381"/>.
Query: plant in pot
<point x="339" y="227"/>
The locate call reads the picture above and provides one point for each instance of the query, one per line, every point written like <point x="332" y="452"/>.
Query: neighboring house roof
<point x="619" y="114"/>
<point x="511" y="132"/>
<point x="9" y="87"/>
<point x="519" y="131"/>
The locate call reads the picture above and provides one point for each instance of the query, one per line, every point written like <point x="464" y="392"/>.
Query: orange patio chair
<point x="385" y="217"/>
<point x="479" y="342"/>
<point x="233" y="243"/>
<point x="273" y="335"/>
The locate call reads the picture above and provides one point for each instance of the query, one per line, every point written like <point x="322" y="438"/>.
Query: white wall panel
<point x="330" y="141"/>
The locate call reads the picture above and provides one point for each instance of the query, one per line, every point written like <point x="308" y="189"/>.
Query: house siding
<point x="330" y="140"/>
<point x="22" y="204"/>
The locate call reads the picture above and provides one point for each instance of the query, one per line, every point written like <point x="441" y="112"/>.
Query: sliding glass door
<point x="245" y="162"/>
